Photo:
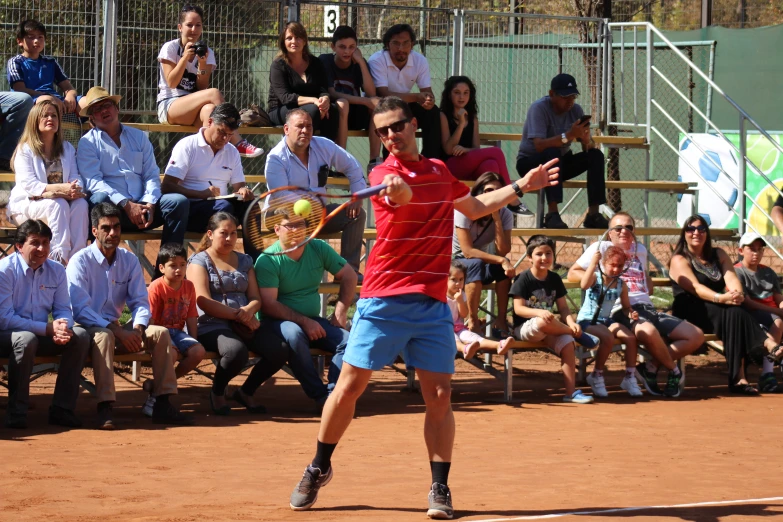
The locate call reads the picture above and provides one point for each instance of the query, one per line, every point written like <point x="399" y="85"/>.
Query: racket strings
<point x="292" y="217"/>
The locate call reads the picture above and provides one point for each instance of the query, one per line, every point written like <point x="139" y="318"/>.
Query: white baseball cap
<point x="749" y="237"/>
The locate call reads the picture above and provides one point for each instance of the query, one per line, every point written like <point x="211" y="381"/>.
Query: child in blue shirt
<point x="595" y="317"/>
<point x="35" y="74"/>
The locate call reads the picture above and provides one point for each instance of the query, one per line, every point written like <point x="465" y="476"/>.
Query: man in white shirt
<point x="395" y="70"/>
<point x="203" y="165"/>
<point x="304" y="160"/>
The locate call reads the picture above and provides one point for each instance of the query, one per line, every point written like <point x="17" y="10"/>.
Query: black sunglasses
<point x="692" y="229"/>
<point x="395" y="127"/>
<point x="618" y="228"/>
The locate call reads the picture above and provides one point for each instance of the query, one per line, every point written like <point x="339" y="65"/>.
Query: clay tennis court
<point x="525" y="461"/>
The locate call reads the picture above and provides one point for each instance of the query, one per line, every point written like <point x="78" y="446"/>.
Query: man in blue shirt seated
<point x="32" y="287"/>
<point x="304" y="160"/>
<point x="118" y="166"/>
<point x="102" y="279"/>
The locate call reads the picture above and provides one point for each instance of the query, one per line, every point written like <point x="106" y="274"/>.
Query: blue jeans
<point x="171" y="212"/>
<point x="14" y="107"/>
<point x="299" y="359"/>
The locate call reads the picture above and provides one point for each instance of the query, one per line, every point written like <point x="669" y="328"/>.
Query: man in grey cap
<point x="552" y="124"/>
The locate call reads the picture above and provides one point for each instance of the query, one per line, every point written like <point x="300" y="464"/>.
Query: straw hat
<point x="95" y="95"/>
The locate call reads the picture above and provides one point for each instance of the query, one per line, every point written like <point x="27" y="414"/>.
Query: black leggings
<point x="271" y="350"/>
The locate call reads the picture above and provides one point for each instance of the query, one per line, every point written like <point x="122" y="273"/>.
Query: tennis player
<point x="403" y="299"/>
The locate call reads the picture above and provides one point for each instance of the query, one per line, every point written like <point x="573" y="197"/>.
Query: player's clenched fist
<point x="396" y="190"/>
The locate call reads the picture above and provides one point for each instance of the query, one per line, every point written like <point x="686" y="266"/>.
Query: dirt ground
<point x="533" y="459"/>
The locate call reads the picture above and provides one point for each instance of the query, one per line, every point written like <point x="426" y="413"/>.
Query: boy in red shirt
<point x="173" y="305"/>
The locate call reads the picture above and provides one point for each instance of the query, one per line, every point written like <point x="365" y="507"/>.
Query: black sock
<point x="162" y="399"/>
<point x="440" y="472"/>
<point x="323" y="456"/>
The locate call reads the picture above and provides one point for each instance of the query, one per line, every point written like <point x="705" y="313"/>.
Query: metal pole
<point x="743" y="147"/>
<point x="293" y="10"/>
<point x="648" y="130"/>
<point x="711" y="73"/>
<point x="109" y="39"/>
<point x="706" y="13"/>
<point x="97" y="66"/>
<point x="456" y="50"/>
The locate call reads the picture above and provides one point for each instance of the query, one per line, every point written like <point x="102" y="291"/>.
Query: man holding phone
<point x="552" y="124"/>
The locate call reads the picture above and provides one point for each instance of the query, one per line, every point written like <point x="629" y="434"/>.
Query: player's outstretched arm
<point x="484" y="204"/>
<point x="396" y="190"/>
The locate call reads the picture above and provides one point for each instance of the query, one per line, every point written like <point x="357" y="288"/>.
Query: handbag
<point x="243" y="331"/>
<point x="254" y="116"/>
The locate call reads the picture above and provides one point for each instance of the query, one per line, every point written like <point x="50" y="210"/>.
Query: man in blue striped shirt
<point x="102" y="279"/>
<point x="32" y="287"/>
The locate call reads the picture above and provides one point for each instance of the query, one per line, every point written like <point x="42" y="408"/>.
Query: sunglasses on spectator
<point x="620" y="228"/>
<point x="293" y="226"/>
<point x="691" y="229"/>
<point x="395" y="127"/>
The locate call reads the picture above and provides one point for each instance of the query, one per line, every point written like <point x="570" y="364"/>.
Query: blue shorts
<point x="414" y="325"/>
<point x="181" y="340"/>
<point x="607" y="321"/>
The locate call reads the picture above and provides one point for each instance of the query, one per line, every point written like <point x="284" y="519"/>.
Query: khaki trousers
<point x="103" y="346"/>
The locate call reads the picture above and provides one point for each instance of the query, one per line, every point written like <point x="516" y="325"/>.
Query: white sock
<point x="676" y="370"/>
<point x="630" y="371"/>
<point x="767" y="366"/>
<point x="598" y="373"/>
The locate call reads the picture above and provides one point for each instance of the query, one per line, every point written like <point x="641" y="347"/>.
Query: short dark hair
<point x="27" y="26"/>
<point x="103" y="210"/>
<point x="226" y="114"/>
<point x="188" y="8"/>
<point x="342" y="32"/>
<point x="537" y="241"/>
<point x="396" y="29"/>
<point x="391" y="103"/>
<point x="459" y="265"/>
<point x="169" y="251"/>
<point x="32" y="227"/>
<point x="297" y="112"/>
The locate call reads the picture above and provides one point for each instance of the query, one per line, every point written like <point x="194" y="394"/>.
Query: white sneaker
<point x="630" y="385"/>
<point x="148" y="406"/>
<point x="598" y="385"/>
<point x="579" y="398"/>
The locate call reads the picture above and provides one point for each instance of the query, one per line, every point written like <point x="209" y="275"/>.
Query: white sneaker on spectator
<point x="248" y="150"/>
<point x="148" y="406"/>
<point x="598" y="385"/>
<point x="630" y="385"/>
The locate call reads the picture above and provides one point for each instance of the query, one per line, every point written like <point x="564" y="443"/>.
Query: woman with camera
<point x="186" y="66"/>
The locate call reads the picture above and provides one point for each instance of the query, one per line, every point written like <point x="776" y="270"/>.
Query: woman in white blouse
<point x="48" y="185"/>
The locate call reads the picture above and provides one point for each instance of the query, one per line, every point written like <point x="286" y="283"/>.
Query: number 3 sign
<point x="331" y="19"/>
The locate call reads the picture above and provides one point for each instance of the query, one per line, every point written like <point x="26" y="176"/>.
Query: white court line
<point x="627" y="509"/>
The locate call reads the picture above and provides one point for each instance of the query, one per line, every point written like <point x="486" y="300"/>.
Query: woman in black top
<point x="708" y="294"/>
<point x="459" y="127"/>
<point x="297" y="79"/>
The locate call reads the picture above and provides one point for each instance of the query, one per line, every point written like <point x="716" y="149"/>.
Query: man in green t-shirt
<point x="290" y="303"/>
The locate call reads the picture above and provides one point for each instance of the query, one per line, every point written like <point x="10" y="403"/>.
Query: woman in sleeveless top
<point x="459" y="128"/>
<point x="708" y="293"/>
<point x="226" y="296"/>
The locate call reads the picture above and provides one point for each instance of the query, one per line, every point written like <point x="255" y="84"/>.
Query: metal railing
<point x="656" y="114"/>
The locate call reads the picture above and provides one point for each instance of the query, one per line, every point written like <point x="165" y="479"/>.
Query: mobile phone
<point x="585" y="118"/>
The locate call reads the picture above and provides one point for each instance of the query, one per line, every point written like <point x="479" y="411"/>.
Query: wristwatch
<point x="517" y="190"/>
<point x="202" y="72"/>
<point x="563" y="138"/>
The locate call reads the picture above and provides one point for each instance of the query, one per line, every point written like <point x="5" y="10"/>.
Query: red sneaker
<point x="247" y="150"/>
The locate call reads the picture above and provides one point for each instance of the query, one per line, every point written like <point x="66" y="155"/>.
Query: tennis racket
<point x="304" y="212"/>
<point x="630" y="256"/>
<point x="71" y="126"/>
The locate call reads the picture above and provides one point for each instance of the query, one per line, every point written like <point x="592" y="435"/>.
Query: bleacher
<point x="484" y="360"/>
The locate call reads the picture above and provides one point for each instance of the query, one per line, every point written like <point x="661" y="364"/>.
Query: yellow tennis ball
<point x="303" y="208"/>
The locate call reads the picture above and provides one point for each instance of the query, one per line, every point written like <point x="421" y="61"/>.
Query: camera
<point x="200" y="48"/>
